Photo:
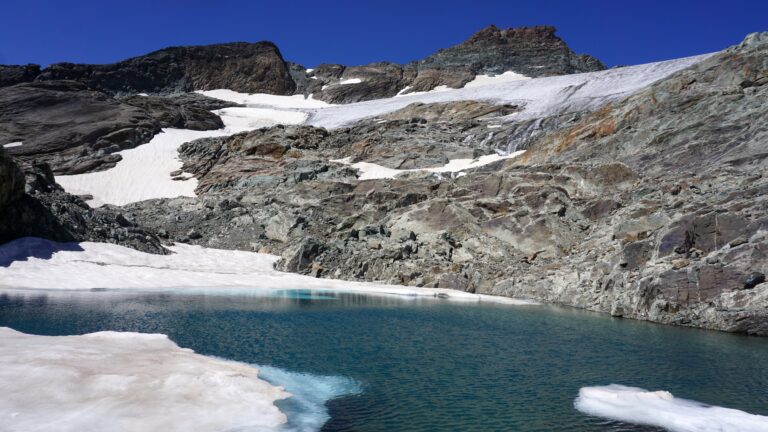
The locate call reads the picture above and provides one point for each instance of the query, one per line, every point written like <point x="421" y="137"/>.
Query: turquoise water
<point x="394" y="364"/>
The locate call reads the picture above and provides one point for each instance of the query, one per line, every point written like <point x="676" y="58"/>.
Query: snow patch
<point x="662" y="409"/>
<point x="144" y="171"/>
<point x="262" y="99"/>
<point x="372" y="171"/>
<point x="33" y="263"/>
<point x="509" y="76"/>
<point x="127" y="382"/>
<point x="350" y="81"/>
<point x="13" y="144"/>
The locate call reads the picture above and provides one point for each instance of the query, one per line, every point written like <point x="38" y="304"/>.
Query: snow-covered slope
<point x="144" y="172"/>
<point x="540" y="96"/>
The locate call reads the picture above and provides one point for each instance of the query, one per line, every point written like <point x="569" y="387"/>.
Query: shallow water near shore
<point x="368" y="363"/>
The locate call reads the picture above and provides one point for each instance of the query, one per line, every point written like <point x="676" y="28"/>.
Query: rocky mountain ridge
<point x="651" y="207"/>
<point x="260" y="68"/>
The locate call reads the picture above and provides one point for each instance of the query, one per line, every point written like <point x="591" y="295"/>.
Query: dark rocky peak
<point x="493" y="35"/>
<point x="240" y="66"/>
<point x="533" y="51"/>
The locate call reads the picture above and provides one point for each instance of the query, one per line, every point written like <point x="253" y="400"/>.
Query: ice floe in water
<point x="662" y="409"/>
<point x="111" y="381"/>
<point x="306" y="408"/>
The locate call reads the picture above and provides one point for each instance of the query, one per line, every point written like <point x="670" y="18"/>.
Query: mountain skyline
<point x="353" y="34"/>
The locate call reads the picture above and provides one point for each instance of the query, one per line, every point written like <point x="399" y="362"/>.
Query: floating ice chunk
<point x="110" y="381"/>
<point x="13" y="144"/>
<point x="662" y="409"/>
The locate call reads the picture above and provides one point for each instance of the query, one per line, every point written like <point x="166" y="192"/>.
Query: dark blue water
<point x="426" y="365"/>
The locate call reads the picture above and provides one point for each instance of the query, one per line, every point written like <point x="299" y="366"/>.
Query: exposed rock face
<point x="240" y="66"/>
<point x="17" y="74"/>
<point x="76" y="129"/>
<point x="531" y="51"/>
<point x="43" y="209"/>
<point x="652" y="208"/>
<point x="73" y="128"/>
<point x="340" y="84"/>
<point x="168" y="113"/>
<point x="11" y="180"/>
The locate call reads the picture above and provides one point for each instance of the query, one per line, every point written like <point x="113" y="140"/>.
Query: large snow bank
<point x="662" y="409"/>
<point x="144" y="171"/>
<point x="111" y="381"/>
<point x="33" y="263"/>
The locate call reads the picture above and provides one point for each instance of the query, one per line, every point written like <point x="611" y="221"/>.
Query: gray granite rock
<point x="245" y="67"/>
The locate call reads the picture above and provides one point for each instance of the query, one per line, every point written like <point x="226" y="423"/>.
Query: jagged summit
<point x="532" y="51"/>
<point x="497" y="36"/>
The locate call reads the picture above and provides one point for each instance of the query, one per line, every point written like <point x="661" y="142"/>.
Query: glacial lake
<point x="375" y="363"/>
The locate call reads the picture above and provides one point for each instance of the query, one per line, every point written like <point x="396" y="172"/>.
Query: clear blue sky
<point x="361" y="31"/>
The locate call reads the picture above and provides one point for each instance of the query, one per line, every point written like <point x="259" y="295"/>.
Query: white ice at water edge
<point x="33" y="263"/>
<point x="662" y="409"/>
<point x="110" y="381"/>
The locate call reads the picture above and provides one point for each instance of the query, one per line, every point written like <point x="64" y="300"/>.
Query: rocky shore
<point x="651" y="207"/>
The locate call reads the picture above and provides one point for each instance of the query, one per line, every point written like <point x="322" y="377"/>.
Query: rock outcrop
<point x="17" y="74"/>
<point x="70" y="126"/>
<point x="32" y="204"/>
<point x="240" y="66"/>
